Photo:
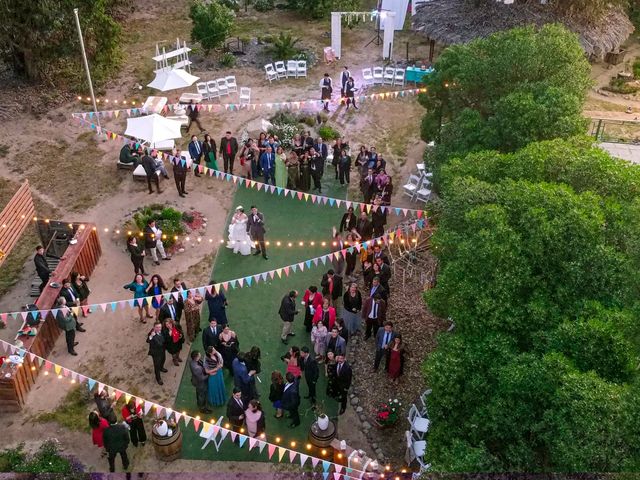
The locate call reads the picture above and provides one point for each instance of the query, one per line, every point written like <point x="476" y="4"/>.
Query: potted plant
<point x="322" y="419"/>
<point x="387" y="413"/>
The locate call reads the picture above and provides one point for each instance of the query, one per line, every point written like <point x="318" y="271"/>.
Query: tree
<point x="39" y="40"/>
<point x="212" y="23"/>
<point x="322" y="8"/>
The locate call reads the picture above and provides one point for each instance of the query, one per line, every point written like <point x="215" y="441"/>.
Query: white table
<point x="187" y="97"/>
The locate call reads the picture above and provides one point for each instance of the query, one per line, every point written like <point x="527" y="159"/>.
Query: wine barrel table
<point x="169" y="448"/>
<point x="322" y="438"/>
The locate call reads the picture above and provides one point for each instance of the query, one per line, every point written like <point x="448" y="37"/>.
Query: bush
<point x="284" y="46"/>
<point x="328" y="133"/>
<point x="285" y="133"/>
<point x="169" y="220"/>
<point x="212" y="22"/>
<point x="264" y="5"/>
<point x="308" y="120"/>
<point x="47" y="459"/>
<point x="620" y="85"/>
<point x="284" y="118"/>
<point x="228" y="60"/>
<point x="636" y="68"/>
<point x="322" y="8"/>
<point x="231" y="4"/>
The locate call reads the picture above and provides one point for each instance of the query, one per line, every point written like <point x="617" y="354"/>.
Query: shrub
<point x="264" y="5"/>
<point x="228" y="60"/>
<point x="169" y="220"/>
<point x="285" y="133"/>
<point x="620" y="85"/>
<point x="328" y="133"/>
<point x="231" y="4"/>
<point x="212" y="22"/>
<point x="636" y="68"/>
<point x="322" y="8"/>
<point x="284" y="46"/>
<point x="47" y="459"/>
<point x="308" y="120"/>
<point x="322" y="117"/>
<point x="284" y="118"/>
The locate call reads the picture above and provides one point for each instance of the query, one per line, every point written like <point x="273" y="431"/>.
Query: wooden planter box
<point x="615" y="58"/>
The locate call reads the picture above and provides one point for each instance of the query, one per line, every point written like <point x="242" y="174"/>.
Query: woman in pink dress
<point x="254" y="418"/>
<point x="318" y="335"/>
<point x="395" y="359"/>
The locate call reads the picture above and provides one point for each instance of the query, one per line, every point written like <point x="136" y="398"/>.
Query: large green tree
<point x="212" y="22"/>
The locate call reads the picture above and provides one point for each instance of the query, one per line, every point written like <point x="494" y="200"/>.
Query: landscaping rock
<point x="366" y="425"/>
<point x="359" y="410"/>
<point x="354" y="400"/>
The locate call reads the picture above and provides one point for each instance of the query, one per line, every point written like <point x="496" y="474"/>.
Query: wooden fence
<point x="81" y="257"/>
<point x="14" y="218"/>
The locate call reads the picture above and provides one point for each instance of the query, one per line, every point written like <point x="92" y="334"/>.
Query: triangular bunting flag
<point x="281" y="452"/>
<point x="271" y="449"/>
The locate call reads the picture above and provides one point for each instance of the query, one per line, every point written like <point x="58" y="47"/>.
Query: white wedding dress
<point x="239" y="239"/>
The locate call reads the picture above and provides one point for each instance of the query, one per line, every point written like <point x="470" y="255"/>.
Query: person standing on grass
<point x="213" y="364"/>
<point x="192" y="314"/>
<point x="344" y="375"/>
<point x="254" y="417"/>
<point x="156" y="342"/>
<point x="139" y="288"/>
<point x="351" y="307"/>
<point x="200" y="380"/>
<point x="344" y="167"/>
<point x="291" y="399"/>
<point x="67" y="322"/>
<point x="309" y="367"/>
<point x="287" y="313"/>
<point x="42" y="268"/>
<point x="268" y="165"/>
<point x="228" y="150"/>
<point x="180" y="288"/>
<point x="116" y="441"/>
<point x="275" y="392"/>
<point x="255" y="228"/>
<point x="104" y="404"/>
<point x="133" y="415"/>
<point x="235" y="409"/>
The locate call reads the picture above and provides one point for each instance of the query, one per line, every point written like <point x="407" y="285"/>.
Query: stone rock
<point x="380" y="455"/>
<point x="374" y="446"/>
<point x="359" y="410"/>
<point x="366" y="425"/>
<point x="181" y="250"/>
<point x="354" y="400"/>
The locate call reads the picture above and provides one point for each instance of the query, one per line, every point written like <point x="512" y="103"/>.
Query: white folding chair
<point x="415" y="449"/>
<point x="245" y="95"/>
<point x="389" y="75"/>
<point x="367" y="76"/>
<point x="201" y="88"/>
<point x="399" y="77"/>
<point x="292" y="68"/>
<point x="232" y="86"/>
<point x="411" y="187"/>
<point x="302" y="68"/>
<point x="424" y="192"/>
<point x="280" y="70"/>
<point x="419" y="425"/>
<point x="423" y="400"/>
<point x="378" y="75"/>
<point x="271" y="73"/>
<point x="223" y="89"/>
<point x="211" y="436"/>
<point x="212" y="88"/>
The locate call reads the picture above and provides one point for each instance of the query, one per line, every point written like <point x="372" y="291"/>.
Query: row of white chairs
<point x="417" y="188"/>
<point x="217" y="88"/>
<point x="384" y="76"/>
<point x="293" y="68"/>
<point x="418" y="427"/>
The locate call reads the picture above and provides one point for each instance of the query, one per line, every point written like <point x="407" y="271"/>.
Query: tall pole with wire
<point x="86" y="68"/>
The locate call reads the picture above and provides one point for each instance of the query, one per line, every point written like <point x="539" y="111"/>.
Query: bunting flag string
<point x="161" y="411"/>
<point x="242" y="282"/>
<point x="234" y="107"/>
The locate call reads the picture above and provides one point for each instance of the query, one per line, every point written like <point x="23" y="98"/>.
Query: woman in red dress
<point x="312" y="301"/>
<point x="98" y="426"/>
<point x="133" y="415"/>
<point x="395" y="359"/>
<point x="326" y="314"/>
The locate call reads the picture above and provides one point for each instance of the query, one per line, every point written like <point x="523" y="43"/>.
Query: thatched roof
<point x="459" y="21"/>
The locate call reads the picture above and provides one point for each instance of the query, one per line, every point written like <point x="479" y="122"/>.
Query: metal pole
<point x="86" y="68"/>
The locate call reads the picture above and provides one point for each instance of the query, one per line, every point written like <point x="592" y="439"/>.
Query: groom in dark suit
<point x="255" y="228"/>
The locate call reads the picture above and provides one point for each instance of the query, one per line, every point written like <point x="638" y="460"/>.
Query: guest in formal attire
<point x="378" y="218"/>
<point x="105" y="404"/>
<point x="228" y="150"/>
<point x="217" y="303"/>
<point x="42" y="267"/>
<point x="344" y="167"/>
<point x="342" y="330"/>
<point x="368" y="186"/>
<point x="368" y="274"/>
<point x="292" y="359"/>
<point x="268" y="165"/>
<point x="326" y="88"/>
<point x="235" y="410"/>
<point x="348" y="221"/>
<point x="287" y="313"/>
<point x="139" y="288"/>
<point x="67" y="322"/>
<point x="332" y="287"/>
<point x="351" y="257"/>
<point x="378" y="253"/>
<point x="249" y="158"/>
<point x="213" y="364"/>
<point x="153" y="241"/>
<point x="256" y="229"/>
<point x="211" y="335"/>
<point x="351" y="308"/>
<point x="193" y="113"/>
<point x="343" y="380"/>
<point x="364" y="229"/>
<point x="281" y="168"/>
<point x="321" y="149"/>
<point x="332" y="383"/>
<point x="376" y="288"/>
<point x="192" y="307"/>
<point x="362" y="162"/>
<point x="395" y="356"/>
<point x="305" y="172"/>
<point x="335" y="343"/>
<point x="149" y="166"/>
<point x="116" y="441"/>
<point x="275" y="392"/>
<point x="156" y="342"/>
<point x="180" y="288"/>
<point x="133" y="416"/>
<point x="228" y="347"/>
<point x="79" y="283"/>
<point x="209" y="151"/>
<point x="309" y="367"/>
<point x="373" y="314"/>
<point x="384" y="338"/>
<point x="137" y="255"/>
<point x="174" y="339"/>
<point x="350" y="93"/>
<point x="252" y="361"/>
<point x="168" y="311"/>
<point x="72" y="299"/>
<point x="180" y="169"/>
<point x="319" y="339"/>
<point x="385" y="274"/>
<point x="326" y="314"/>
<point x="255" y="419"/>
<point x="156" y="287"/>
<point x="98" y="425"/>
<point x="293" y="171"/>
<point x="243" y="378"/>
<point x="312" y="301"/>
<point x="344" y="78"/>
<point x="316" y="167"/>
<point x="291" y="399"/>
<point x="200" y="380"/>
<point x="196" y="150"/>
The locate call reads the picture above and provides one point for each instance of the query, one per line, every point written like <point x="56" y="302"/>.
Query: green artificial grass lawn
<point x="253" y="313"/>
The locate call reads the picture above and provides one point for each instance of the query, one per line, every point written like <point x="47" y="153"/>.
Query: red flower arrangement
<point x="387" y="413"/>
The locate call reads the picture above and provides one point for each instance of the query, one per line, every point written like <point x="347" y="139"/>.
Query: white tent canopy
<point x="153" y="128"/>
<point x="169" y="79"/>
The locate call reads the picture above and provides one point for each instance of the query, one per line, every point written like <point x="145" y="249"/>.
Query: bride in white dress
<point x="239" y="239"/>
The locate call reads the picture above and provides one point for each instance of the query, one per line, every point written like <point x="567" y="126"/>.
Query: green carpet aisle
<point x="253" y="312"/>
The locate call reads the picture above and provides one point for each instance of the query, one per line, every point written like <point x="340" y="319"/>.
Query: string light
<point x="309" y="446"/>
<point x="277" y="439"/>
<point x="293" y="444"/>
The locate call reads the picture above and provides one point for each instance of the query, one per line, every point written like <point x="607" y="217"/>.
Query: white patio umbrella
<point x="169" y="79"/>
<point x="153" y="128"/>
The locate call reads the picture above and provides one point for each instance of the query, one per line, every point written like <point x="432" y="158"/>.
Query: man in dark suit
<point x="67" y="322"/>
<point x="255" y="229"/>
<point x="181" y="289"/>
<point x="385" y="274"/>
<point x="235" y="409"/>
<point x="169" y="310"/>
<point x="200" y="380"/>
<point x="384" y="337"/>
<point x="335" y="343"/>
<point x="195" y="150"/>
<point x="378" y="218"/>
<point x="116" y="441"/>
<point x="243" y="378"/>
<point x="291" y="399"/>
<point x="378" y="289"/>
<point x="309" y="366"/>
<point x="378" y="253"/>
<point x="332" y="287"/>
<point x="344" y="376"/>
<point x="344" y="78"/>
<point x="287" y="313"/>
<point x="228" y="150"/>
<point x="368" y="186"/>
<point x="42" y="267"/>
<point x="180" y="170"/>
<point x="149" y="165"/>
<point x="193" y="112"/>
<point x="363" y="227"/>
<point x="268" y="165"/>
<point x="374" y="314"/>
<point x="155" y="339"/>
<point x="211" y="335"/>
<point x="70" y="294"/>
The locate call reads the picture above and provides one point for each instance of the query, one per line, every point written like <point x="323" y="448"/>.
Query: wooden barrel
<point x="168" y="449"/>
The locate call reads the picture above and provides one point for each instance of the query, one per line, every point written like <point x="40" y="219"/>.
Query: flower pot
<point x="382" y="426"/>
<point x="323" y="422"/>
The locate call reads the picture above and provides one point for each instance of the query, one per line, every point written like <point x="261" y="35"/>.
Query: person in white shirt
<point x="326" y="87"/>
